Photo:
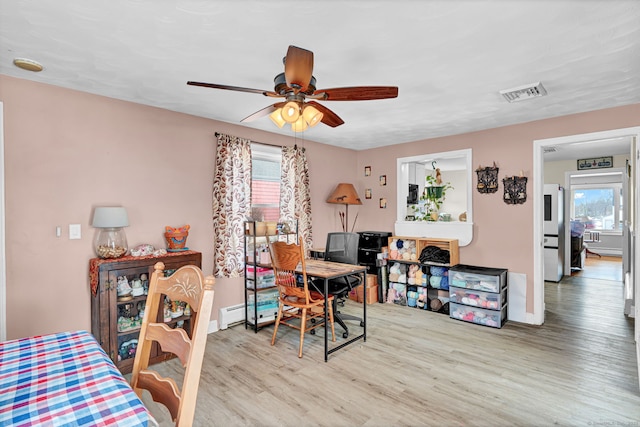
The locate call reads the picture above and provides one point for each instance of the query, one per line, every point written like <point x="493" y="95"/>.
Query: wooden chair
<point x="189" y="285"/>
<point x="302" y="304"/>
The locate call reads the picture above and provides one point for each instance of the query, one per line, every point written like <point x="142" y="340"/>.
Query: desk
<point x="332" y="270"/>
<point x="64" y="379"/>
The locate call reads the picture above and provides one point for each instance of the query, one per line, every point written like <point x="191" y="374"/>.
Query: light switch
<point x="75" y="231"/>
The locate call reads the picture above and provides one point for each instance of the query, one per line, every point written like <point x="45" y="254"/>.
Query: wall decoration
<point x="595" y="163"/>
<point x="515" y="189"/>
<point x="487" y="179"/>
<point x="367" y="171"/>
<point x="383" y="180"/>
<point x="383" y="203"/>
<point x="367" y="193"/>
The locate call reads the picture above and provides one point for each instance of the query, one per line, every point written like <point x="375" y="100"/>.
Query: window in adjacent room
<point x="599" y="206"/>
<point x="265" y="182"/>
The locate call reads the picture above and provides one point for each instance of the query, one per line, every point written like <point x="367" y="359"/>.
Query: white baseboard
<point x="213" y="327"/>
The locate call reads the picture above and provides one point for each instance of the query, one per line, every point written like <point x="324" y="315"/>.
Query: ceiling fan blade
<point x="298" y="68"/>
<point x="264" y="112"/>
<point x="358" y="93"/>
<point x="329" y="118"/>
<point x="235" y="88"/>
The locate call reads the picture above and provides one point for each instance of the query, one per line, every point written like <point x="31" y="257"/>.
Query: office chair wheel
<point x="345" y="335"/>
<point x="312" y="332"/>
<point x="362" y="323"/>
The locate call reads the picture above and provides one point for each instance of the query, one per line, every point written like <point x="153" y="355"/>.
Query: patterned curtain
<point x="295" y="198"/>
<point x="231" y="204"/>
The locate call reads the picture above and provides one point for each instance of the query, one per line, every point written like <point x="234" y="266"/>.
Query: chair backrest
<point x="342" y="247"/>
<point x="285" y="258"/>
<point x="188" y="285"/>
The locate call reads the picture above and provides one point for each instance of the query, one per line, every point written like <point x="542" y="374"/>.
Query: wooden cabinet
<point x="115" y="322"/>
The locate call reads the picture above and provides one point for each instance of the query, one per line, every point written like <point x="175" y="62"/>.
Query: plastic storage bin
<point x="493" y="301"/>
<point x="478" y="278"/>
<point x="480" y="316"/>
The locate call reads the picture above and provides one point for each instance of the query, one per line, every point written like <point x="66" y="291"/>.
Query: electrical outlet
<point x="75" y="231"/>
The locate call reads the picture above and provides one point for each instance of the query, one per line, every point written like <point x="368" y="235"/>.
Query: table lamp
<point x="110" y="240"/>
<point x="345" y="194"/>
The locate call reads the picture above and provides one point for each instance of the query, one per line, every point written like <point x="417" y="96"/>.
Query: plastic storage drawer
<point x="480" y="316"/>
<point x="490" y="300"/>
<point x="478" y="278"/>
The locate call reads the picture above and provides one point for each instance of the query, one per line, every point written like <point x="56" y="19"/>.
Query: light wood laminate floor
<point x="419" y="368"/>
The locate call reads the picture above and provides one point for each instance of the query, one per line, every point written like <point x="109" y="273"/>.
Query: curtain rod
<point x="217" y="134"/>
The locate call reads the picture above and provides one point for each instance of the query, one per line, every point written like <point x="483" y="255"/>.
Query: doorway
<point x="597" y="212"/>
<point x="605" y="139"/>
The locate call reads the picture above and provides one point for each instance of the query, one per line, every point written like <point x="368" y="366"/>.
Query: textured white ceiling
<point x="449" y="58"/>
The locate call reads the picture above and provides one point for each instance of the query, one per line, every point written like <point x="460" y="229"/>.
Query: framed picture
<point x="595" y="163"/>
<point x="383" y="180"/>
<point x="367" y="171"/>
<point x="367" y="193"/>
<point x="383" y="203"/>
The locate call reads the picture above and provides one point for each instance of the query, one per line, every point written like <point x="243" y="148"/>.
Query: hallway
<point x="605" y="268"/>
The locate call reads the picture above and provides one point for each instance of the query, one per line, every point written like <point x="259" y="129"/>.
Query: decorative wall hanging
<point x="367" y="193"/>
<point x="383" y="180"/>
<point x="487" y="179"/>
<point x="515" y="189"/>
<point x="595" y="163"/>
<point x="383" y="203"/>
<point x="367" y="171"/>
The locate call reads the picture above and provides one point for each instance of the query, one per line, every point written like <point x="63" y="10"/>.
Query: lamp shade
<point x="345" y="194"/>
<point x="110" y="217"/>
<point x="290" y="112"/>
<point x="276" y="117"/>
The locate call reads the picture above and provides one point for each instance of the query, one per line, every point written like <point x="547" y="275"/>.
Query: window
<point x="265" y="182"/>
<point x="599" y="207"/>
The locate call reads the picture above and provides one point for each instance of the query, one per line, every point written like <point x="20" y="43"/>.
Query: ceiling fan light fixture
<point x="311" y="115"/>
<point x="290" y="112"/>
<point x="299" y="125"/>
<point x="276" y="118"/>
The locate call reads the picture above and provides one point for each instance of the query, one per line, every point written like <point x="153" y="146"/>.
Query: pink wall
<point x="67" y="152"/>
<point x="503" y="234"/>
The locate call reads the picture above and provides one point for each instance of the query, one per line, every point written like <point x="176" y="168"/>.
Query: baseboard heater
<point x="231" y="315"/>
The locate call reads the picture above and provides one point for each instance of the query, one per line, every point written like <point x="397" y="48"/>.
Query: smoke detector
<point x="520" y="93"/>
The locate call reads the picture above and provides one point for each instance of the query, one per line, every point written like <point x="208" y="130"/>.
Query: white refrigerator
<point x="553" y="232"/>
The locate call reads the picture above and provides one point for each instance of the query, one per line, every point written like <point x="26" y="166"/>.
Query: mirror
<point x="422" y="212"/>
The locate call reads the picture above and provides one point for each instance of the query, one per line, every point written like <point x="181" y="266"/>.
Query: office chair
<point x="343" y="248"/>
<point x="300" y="302"/>
<point x="187" y="284"/>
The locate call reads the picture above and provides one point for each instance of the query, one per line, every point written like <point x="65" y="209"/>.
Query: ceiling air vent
<point x="549" y="149"/>
<point x="520" y="93"/>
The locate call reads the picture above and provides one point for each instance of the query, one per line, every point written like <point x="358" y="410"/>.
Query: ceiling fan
<point x="298" y="88"/>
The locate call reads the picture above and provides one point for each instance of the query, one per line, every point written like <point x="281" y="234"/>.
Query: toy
<point x="123" y="286"/>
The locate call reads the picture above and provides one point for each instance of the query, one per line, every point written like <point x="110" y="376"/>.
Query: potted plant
<point x="434" y="195"/>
